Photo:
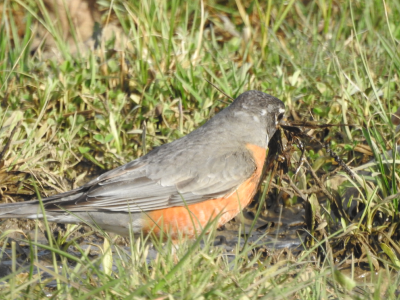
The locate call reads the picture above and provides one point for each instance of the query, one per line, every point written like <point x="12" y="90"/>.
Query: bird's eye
<point x="280" y="116"/>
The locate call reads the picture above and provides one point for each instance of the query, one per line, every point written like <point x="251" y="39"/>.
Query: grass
<point x="83" y="113"/>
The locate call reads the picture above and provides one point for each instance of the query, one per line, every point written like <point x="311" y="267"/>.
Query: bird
<point x="210" y="174"/>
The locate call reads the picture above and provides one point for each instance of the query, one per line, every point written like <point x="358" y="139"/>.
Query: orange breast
<point x="192" y="218"/>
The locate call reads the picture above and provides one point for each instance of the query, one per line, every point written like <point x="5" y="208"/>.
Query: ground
<point x="75" y="103"/>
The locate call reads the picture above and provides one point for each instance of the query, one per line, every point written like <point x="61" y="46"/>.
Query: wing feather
<point x="150" y="182"/>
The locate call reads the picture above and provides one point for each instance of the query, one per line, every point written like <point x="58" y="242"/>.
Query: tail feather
<point x="31" y="209"/>
<point x="19" y="210"/>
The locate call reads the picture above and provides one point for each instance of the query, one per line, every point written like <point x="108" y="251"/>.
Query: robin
<point x="179" y="187"/>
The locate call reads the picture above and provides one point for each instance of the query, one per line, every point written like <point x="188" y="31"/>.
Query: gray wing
<point x="160" y="180"/>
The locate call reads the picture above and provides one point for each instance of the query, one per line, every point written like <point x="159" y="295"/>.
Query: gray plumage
<point x="208" y="163"/>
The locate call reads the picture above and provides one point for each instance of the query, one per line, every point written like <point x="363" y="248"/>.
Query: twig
<point x="222" y="92"/>
<point x="326" y="192"/>
<point x="295" y="188"/>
